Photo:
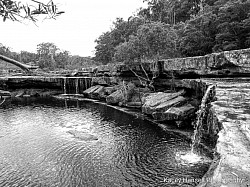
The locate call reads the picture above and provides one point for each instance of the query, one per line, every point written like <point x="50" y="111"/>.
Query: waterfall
<point x="77" y="85"/>
<point x="64" y="85"/>
<point x="201" y="114"/>
<point x="86" y="83"/>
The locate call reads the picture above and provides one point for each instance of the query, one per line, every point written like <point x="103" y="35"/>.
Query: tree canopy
<point x="170" y="28"/>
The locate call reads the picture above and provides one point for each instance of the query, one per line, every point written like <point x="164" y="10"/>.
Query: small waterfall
<point x="201" y="114"/>
<point x="64" y="85"/>
<point x="77" y="85"/>
<point x="86" y="83"/>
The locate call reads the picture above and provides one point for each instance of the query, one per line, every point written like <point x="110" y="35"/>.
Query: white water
<point x="64" y="85"/>
<point x="77" y="85"/>
<point x="192" y="156"/>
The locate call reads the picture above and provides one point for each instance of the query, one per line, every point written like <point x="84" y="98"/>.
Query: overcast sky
<point x="75" y="31"/>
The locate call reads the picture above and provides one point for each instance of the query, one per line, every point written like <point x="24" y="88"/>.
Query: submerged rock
<point x="83" y="135"/>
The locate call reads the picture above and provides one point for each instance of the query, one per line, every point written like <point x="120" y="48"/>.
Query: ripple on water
<point x="50" y="142"/>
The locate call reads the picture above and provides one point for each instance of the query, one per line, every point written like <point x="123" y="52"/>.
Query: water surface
<point x="57" y="143"/>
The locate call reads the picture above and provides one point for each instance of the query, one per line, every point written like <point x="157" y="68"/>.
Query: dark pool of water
<point x="52" y="142"/>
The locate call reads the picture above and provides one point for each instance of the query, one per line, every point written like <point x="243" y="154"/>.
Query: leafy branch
<point x="15" y="11"/>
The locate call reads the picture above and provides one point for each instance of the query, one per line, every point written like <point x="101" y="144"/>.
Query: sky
<point x="75" y="30"/>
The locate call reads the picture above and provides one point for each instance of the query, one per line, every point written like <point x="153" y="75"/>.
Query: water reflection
<point x="51" y="142"/>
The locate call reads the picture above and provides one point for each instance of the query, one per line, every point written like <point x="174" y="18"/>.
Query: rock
<point x="133" y="105"/>
<point x="122" y="95"/>
<point x="104" y="81"/>
<point x="138" y="94"/>
<point x="20" y="93"/>
<point x="161" y="101"/>
<point x="98" y="93"/>
<point x="226" y="63"/>
<point x="227" y="124"/>
<point x="4" y="93"/>
<point x="177" y="101"/>
<point x="175" y="113"/>
<point x="91" y="90"/>
<point x="95" y="92"/>
<point x="116" y="97"/>
<point x="110" y="90"/>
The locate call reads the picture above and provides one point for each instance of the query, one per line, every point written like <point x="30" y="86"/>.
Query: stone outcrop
<point x="160" y="101"/>
<point x="96" y="92"/>
<point x="172" y="106"/>
<point x="227" y="63"/>
<point x="122" y="95"/>
<point x="230" y="111"/>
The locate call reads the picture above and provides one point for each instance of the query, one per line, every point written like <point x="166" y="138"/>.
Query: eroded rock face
<point x="227" y="63"/>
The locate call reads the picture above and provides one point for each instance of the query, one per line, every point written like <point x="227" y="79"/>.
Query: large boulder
<point x="95" y="92"/>
<point x="160" y="101"/>
<point x="122" y="95"/>
<point x="175" y="113"/>
<point x="116" y="97"/>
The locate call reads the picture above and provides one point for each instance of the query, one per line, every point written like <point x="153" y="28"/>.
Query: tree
<point x="27" y="57"/>
<point x="62" y="59"/>
<point x="46" y="53"/>
<point x="159" y="40"/>
<point x="16" y="11"/>
<point x="233" y="27"/>
<point x="104" y="49"/>
<point x="197" y="36"/>
<point x="172" y="11"/>
<point x="152" y="40"/>
<point x="108" y="41"/>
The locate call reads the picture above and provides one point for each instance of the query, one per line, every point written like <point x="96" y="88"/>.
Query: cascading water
<point x="200" y="116"/>
<point x="192" y="156"/>
<point x="77" y="86"/>
<point x="64" y="85"/>
<point x="86" y="83"/>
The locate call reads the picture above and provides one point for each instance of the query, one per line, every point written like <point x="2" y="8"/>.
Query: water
<point x="57" y="143"/>
<point x="77" y="85"/>
<point x="64" y="85"/>
<point x="199" y="120"/>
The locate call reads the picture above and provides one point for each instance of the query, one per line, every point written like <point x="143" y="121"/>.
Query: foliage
<point x="108" y="41"/>
<point x="46" y="55"/>
<point x="15" y="11"/>
<point x="170" y="28"/>
<point x="152" y="40"/>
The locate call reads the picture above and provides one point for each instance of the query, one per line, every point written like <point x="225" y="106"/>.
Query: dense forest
<point x="176" y="28"/>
